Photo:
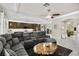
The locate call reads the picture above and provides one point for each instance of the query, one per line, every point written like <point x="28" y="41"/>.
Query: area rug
<point x="61" y="51"/>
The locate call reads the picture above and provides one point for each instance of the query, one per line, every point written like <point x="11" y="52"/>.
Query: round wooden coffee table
<point x="45" y="48"/>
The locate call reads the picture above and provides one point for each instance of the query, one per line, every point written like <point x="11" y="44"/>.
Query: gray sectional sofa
<point x="17" y="42"/>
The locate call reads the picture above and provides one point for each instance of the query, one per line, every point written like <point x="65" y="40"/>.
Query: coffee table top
<point x="45" y="48"/>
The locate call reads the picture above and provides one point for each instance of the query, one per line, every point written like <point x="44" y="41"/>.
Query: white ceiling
<point x="37" y="9"/>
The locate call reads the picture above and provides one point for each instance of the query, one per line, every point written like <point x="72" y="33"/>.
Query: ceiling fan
<point x="50" y="14"/>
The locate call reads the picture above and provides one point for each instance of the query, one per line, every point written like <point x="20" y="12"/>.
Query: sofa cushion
<point x="1" y="47"/>
<point x="21" y="39"/>
<point x="3" y="40"/>
<point x="29" y="44"/>
<point x="22" y="42"/>
<point x="39" y="33"/>
<point x="19" y="49"/>
<point x="17" y="46"/>
<point x="34" y="34"/>
<point x="21" y="52"/>
<point x="10" y="42"/>
<point x="7" y="46"/>
<point x="7" y="36"/>
<point x="15" y="41"/>
<point x="18" y="34"/>
<point x="26" y="36"/>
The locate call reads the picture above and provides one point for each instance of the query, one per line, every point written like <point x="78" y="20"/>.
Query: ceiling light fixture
<point x="50" y="14"/>
<point x="46" y="4"/>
